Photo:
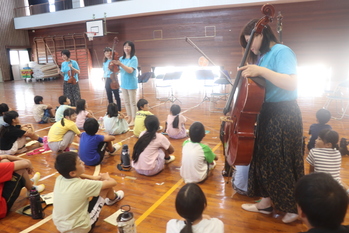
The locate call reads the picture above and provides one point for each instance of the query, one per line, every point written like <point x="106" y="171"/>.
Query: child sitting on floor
<point x="190" y="205"/>
<point x="152" y="150"/>
<point x="325" y="157"/>
<point x="322" y="116"/>
<point x="93" y="146"/>
<point x="3" y="108"/>
<point x="62" y="133"/>
<point x="13" y="136"/>
<point x="175" y="127"/>
<point x="64" y="104"/>
<point x="72" y="210"/>
<point x="197" y="158"/>
<point x="14" y="175"/>
<point x="82" y="114"/>
<point x="114" y="121"/>
<point x="143" y="112"/>
<point x="42" y="113"/>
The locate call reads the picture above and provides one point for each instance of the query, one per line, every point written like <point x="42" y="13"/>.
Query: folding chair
<point x="341" y="97"/>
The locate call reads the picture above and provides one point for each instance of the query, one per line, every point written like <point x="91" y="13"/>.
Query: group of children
<point x="150" y="154"/>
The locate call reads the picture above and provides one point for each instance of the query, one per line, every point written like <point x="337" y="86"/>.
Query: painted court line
<point x="46" y="177"/>
<point x="158" y="202"/>
<point x="36" y="225"/>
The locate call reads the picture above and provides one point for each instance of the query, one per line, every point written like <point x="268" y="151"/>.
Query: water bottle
<point x="126" y="221"/>
<point x="35" y="204"/>
<point x="125" y="157"/>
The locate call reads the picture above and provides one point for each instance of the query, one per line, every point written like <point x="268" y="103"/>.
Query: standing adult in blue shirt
<point x="70" y="67"/>
<point x="128" y="64"/>
<point x="277" y="162"/>
<point x="107" y="72"/>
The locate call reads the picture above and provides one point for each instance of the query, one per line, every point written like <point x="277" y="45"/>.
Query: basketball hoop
<point x="90" y="35"/>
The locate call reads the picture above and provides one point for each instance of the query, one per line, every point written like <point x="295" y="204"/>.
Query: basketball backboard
<point x="95" y="26"/>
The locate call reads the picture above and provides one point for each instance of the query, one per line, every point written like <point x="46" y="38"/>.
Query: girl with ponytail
<point x="175" y="127"/>
<point x="62" y="133"/>
<point x="190" y="205"/>
<point x="152" y="150"/>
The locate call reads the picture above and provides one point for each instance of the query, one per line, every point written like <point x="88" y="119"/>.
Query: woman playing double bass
<point x="107" y="75"/>
<point x="277" y="161"/>
<point x="70" y="71"/>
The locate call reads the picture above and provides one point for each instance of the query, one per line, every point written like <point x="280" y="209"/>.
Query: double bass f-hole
<point x="114" y="84"/>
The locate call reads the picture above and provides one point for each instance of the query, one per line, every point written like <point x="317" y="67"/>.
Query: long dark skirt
<point x="72" y="91"/>
<point x="277" y="163"/>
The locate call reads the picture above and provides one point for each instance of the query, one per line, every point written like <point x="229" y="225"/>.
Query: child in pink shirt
<point x="175" y="127"/>
<point x="152" y="150"/>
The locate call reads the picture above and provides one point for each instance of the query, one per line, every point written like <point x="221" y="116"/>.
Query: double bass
<point x="114" y="68"/>
<point x="243" y="106"/>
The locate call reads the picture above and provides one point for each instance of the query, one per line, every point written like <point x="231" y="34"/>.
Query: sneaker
<point x="116" y="147"/>
<point x="212" y="166"/>
<point x="40" y="187"/>
<point x="36" y="178"/>
<point x="118" y="196"/>
<point x="290" y="217"/>
<point x="172" y="158"/>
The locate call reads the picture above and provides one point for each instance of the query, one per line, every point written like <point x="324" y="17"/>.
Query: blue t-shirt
<point x="106" y="70"/>
<point x="129" y="80"/>
<point x="65" y="68"/>
<point x="88" y="148"/>
<point x="280" y="59"/>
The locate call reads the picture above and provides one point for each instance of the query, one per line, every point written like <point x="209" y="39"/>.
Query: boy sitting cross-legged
<point x="93" y="146"/>
<point x="197" y="158"/>
<point x="72" y="210"/>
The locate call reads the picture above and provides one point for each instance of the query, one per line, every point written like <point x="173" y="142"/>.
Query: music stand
<point x="170" y="77"/>
<point x="205" y="75"/>
<point x="144" y="78"/>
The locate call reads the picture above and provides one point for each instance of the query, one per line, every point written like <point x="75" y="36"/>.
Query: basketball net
<point x="90" y="35"/>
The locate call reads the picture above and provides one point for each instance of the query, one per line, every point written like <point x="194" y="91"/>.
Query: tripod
<point x="170" y="77"/>
<point x="205" y="75"/>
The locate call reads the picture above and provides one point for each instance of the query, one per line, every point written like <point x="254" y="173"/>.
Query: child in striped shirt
<point x="325" y="157"/>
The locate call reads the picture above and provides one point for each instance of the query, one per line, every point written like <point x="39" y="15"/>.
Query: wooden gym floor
<point x="151" y="198"/>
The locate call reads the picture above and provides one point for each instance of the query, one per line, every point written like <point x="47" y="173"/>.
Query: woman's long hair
<point x="80" y="105"/>
<point x="8" y="117"/>
<point x="133" y="49"/>
<point x="268" y="36"/>
<point x="190" y="204"/>
<point x="68" y="112"/>
<point x="175" y="110"/>
<point x="151" y="123"/>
